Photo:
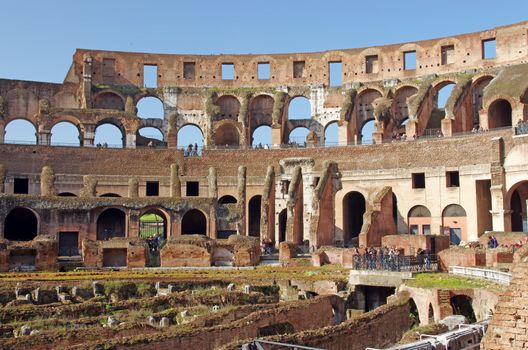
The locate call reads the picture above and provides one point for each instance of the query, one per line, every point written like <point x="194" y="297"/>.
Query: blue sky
<point x="40" y="37"/>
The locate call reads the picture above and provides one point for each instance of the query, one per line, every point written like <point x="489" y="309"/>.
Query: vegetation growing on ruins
<point x="447" y="281"/>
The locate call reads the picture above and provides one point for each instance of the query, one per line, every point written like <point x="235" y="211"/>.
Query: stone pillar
<point x="86" y="97"/>
<point x="276" y="137"/>
<point x="483" y="119"/>
<point x="133" y="224"/>
<point x="89" y="135"/>
<point x="44" y="137"/>
<point x="133" y="187"/>
<point x="175" y="183"/>
<point x="213" y="185"/>
<point x="3" y="172"/>
<point x="2" y="131"/>
<point x="377" y="137"/>
<point x="342" y="135"/>
<point x="130" y="140"/>
<point x="410" y="128"/>
<point x="447" y="127"/>
<point x="241" y="189"/>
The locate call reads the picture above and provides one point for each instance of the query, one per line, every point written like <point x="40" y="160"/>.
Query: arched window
<point x="151" y="133"/>
<point x="194" y="223"/>
<point x="227" y="135"/>
<point x="353" y="209"/>
<point x="499" y="114"/>
<point x="366" y="132"/>
<point x="20" y="131"/>
<point x="152" y="223"/>
<point x="454" y="221"/>
<point x="298" y="135"/>
<point x="332" y="134"/>
<point x="21" y="224"/>
<point x="65" y="133"/>
<point x="261" y="136"/>
<point x="299" y="108"/>
<point x="443" y="93"/>
<point x="111" y="223"/>
<point x="109" y="100"/>
<point x="283" y="219"/>
<point x="190" y="134"/>
<point x="67" y="194"/>
<point x="419" y="219"/>
<point x="229" y="107"/>
<point x="227" y="199"/>
<point x="150" y="107"/>
<point x="254" y="216"/>
<point x="110" y="135"/>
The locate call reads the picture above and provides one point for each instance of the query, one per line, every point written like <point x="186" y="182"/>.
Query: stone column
<point x="342" y="136"/>
<point x="276" y="136"/>
<point x="89" y="135"/>
<point x="447" y="127"/>
<point x="241" y="189"/>
<point x="175" y="183"/>
<point x="2" y="132"/>
<point x="213" y="185"/>
<point x="410" y="128"/>
<point x="44" y="137"/>
<point x="130" y="140"/>
<point x="133" y="224"/>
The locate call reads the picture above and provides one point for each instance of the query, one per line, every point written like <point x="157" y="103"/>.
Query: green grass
<point x="446" y="281"/>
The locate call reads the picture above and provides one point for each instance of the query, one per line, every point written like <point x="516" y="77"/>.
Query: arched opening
<point x="260" y="114"/>
<point x="150" y="107"/>
<point x="518" y="201"/>
<point x="228" y="108"/>
<point x="499" y="114"/>
<point x="413" y="313"/>
<point x="20" y="131"/>
<point x="227" y="135"/>
<point x="441" y="94"/>
<point x="21" y="224"/>
<point x="283" y="217"/>
<point x="478" y="92"/>
<point x="151" y="133"/>
<point x="152" y="224"/>
<point x="419" y="220"/>
<point x="227" y="199"/>
<point x="299" y="108"/>
<point x="109" y="135"/>
<point x="431" y="317"/>
<point x="331" y="134"/>
<point x="111" y="223"/>
<point x="461" y="305"/>
<point x="366" y="132"/>
<point x="400" y="100"/>
<point x="454" y="221"/>
<point x="261" y="137"/>
<point x="353" y="210"/>
<point x="109" y="100"/>
<point x="65" y="133"/>
<point x="111" y="195"/>
<point x="298" y="136"/>
<point x="254" y="216"/>
<point x="194" y="223"/>
<point x="67" y="194"/>
<point x="190" y="135"/>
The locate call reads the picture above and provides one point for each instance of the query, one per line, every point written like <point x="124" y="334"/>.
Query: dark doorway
<point x="68" y="243"/>
<point x="499" y="114"/>
<point x="110" y="195"/>
<point x="353" y="210"/>
<point x="152" y="188"/>
<point x="192" y="189"/>
<point x="21" y="186"/>
<point x="431" y="314"/>
<point x="254" y="216"/>
<point x="153" y="224"/>
<point x="461" y="305"/>
<point x="517" y="212"/>
<point x="395" y="210"/>
<point x="194" y="223"/>
<point x="413" y="313"/>
<point x="110" y="224"/>
<point x="21" y="224"/>
<point x="227" y="199"/>
<point x="283" y="217"/>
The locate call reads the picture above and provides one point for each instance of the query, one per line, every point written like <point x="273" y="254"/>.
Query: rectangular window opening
<point x="68" y="243"/>
<point x="189" y="70"/>
<point x="336" y="73"/>
<point x="228" y="71"/>
<point x="452" y="179"/>
<point x="413" y="229"/>
<point x="409" y="60"/>
<point x="263" y="71"/>
<point x="448" y="54"/>
<point x="489" y="49"/>
<point x="21" y="186"/>
<point x="371" y="64"/>
<point x="426" y="229"/>
<point x="418" y="180"/>
<point x="152" y="188"/>
<point x="150" y="76"/>
<point x="192" y="189"/>
<point x="298" y="69"/>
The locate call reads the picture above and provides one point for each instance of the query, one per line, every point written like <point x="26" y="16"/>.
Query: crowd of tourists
<point x="191" y="151"/>
<point x="154" y="243"/>
<point x="521" y="127"/>
<point x="390" y="258"/>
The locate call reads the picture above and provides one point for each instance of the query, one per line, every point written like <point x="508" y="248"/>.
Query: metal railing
<point x="396" y="262"/>
<point x="260" y="344"/>
<point x="492" y="275"/>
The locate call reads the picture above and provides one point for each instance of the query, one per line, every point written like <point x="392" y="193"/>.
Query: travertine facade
<point x="463" y="183"/>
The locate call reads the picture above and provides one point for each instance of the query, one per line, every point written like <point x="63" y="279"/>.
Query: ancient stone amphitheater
<point x="431" y="174"/>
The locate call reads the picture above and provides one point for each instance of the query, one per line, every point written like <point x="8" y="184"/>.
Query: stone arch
<point x="21" y="103"/>
<point x="108" y="129"/>
<point x="110" y="195"/>
<point x="298" y="135"/>
<point x="254" y="215"/>
<point x="148" y="133"/>
<point x="283" y="219"/>
<point x="21" y="224"/>
<point x="20" y="130"/>
<point x="150" y="107"/>
<point x="262" y="135"/>
<point x="111" y="223"/>
<point x="462" y="305"/>
<point x="430" y="314"/>
<point x="67" y="194"/>
<point x="227" y="199"/>
<point x="478" y="85"/>
<point x="454" y="220"/>
<point x="299" y="108"/>
<point x="190" y="134"/>
<point x="364" y="109"/>
<point x="228" y="107"/>
<point x="226" y="134"/>
<point x="419" y="220"/>
<point x="354" y="206"/>
<point x="65" y="132"/>
<point x="109" y="100"/>
<point x="260" y="112"/>
<point x="413" y="313"/>
<point x="331" y="134"/>
<point x="499" y="114"/>
<point x="154" y="221"/>
<point x="516" y="202"/>
<point x="194" y="222"/>
<point x="401" y="109"/>
<point x="366" y="130"/>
